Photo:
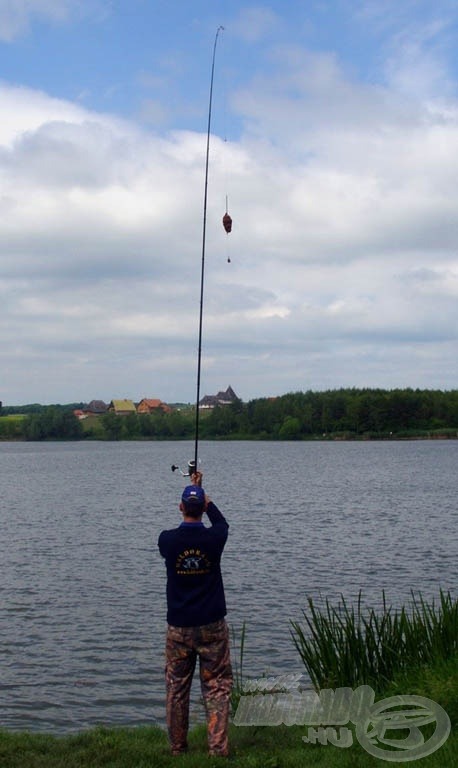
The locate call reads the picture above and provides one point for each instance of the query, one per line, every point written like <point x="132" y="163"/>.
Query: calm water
<point x="82" y="605"/>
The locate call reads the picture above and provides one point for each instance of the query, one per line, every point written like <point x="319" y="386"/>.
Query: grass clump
<point x="348" y="646"/>
<point x="237" y="656"/>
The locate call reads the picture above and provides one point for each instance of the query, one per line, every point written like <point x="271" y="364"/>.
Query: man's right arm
<point x="162" y="543"/>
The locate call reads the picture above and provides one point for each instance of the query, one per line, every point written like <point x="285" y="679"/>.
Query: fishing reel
<point x="191" y="469"/>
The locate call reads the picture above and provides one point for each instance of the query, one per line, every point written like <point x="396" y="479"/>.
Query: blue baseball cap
<point x="193" y="494"/>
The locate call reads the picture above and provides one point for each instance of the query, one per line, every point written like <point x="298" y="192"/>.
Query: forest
<point x="343" y="414"/>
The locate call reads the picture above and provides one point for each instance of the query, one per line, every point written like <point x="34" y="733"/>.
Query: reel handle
<point x="191" y="468"/>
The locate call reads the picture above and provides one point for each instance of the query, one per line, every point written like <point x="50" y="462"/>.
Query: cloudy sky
<point x="335" y="141"/>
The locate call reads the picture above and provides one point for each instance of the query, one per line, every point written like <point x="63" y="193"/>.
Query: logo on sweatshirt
<point x="192" y="562"/>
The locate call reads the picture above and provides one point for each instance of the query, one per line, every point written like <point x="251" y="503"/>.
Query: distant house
<point x="80" y="414"/>
<point x="149" y="405"/>
<point x="222" y="398"/>
<point x="96" y="408"/>
<point x="122" y="407"/>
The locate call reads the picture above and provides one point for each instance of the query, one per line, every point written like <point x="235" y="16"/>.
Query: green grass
<point x="266" y="747"/>
<point x="11" y="424"/>
<point x="93" y="426"/>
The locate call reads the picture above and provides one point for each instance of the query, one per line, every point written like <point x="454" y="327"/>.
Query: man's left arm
<point x="218" y="522"/>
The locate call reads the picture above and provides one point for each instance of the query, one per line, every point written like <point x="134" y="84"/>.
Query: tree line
<point x="334" y="414"/>
<point x="342" y="413"/>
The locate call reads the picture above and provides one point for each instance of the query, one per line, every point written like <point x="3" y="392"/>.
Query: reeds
<point x="349" y="646"/>
<point x="237" y="656"/>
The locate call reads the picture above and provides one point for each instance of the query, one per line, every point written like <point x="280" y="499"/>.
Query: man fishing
<point x="196" y="608"/>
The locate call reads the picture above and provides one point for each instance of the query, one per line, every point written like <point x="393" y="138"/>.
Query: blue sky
<point x="115" y="56"/>
<point x="335" y="138"/>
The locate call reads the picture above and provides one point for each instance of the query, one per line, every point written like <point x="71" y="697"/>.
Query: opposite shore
<point x="344" y="414"/>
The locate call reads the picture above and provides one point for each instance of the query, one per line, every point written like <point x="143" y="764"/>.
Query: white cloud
<point x="417" y="65"/>
<point x="417" y="39"/>
<point x="15" y="15"/>
<point x="254" y="23"/>
<point x="343" y="260"/>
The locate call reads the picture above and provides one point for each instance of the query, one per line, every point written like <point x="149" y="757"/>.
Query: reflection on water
<point x="82" y="611"/>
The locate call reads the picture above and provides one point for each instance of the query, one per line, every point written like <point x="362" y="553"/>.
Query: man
<point x="196" y="608"/>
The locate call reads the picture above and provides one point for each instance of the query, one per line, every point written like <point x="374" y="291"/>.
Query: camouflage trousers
<point x="209" y="643"/>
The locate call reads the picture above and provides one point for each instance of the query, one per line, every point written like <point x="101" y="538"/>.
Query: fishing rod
<point x="193" y="463"/>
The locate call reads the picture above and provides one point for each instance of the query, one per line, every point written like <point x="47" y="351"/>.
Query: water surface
<point x="82" y="595"/>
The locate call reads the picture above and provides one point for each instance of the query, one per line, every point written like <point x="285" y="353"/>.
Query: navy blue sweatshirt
<point x="192" y="552"/>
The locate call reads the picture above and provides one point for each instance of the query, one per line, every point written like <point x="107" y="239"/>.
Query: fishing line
<point x="227" y="224"/>
<point x="227" y="221"/>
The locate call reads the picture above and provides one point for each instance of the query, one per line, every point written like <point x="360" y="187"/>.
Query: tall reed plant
<point x="346" y="645"/>
<point x="237" y="657"/>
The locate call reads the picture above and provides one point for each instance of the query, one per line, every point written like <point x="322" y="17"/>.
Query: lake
<point x="82" y="609"/>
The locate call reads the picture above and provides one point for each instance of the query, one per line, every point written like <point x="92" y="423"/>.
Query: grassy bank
<point x="251" y="747"/>
<point x="146" y="748"/>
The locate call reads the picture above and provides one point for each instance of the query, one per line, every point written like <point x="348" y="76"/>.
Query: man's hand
<point x="196" y="478"/>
